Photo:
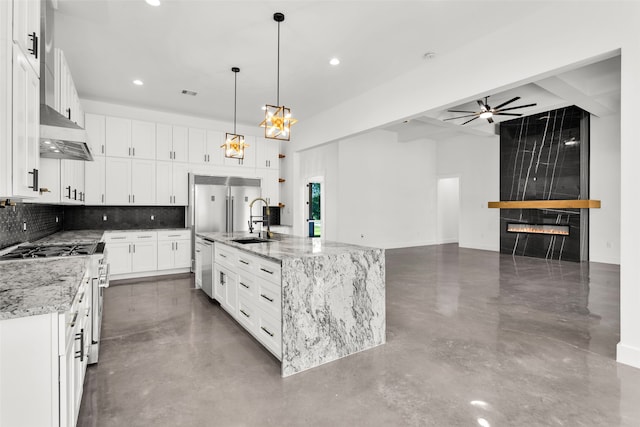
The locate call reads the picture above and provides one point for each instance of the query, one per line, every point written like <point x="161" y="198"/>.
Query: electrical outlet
<point x="57" y="219"/>
<point x="104" y="217"/>
<point x="24" y="225"/>
<point x="153" y="217"/>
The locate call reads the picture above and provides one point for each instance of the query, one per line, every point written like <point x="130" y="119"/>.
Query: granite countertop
<point x="142" y="230"/>
<point x="39" y="286"/>
<point x="285" y="246"/>
<point x="73" y="236"/>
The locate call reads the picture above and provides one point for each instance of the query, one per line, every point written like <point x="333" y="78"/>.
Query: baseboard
<point x="398" y="245"/>
<point x="447" y="241"/>
<point x="143" y="274"/>
<point x="628" y="355"/>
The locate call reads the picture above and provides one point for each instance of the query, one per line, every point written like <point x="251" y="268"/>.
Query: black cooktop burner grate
<point x="47" y="251"/>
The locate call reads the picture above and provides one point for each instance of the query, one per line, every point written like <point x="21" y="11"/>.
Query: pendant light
<point x="277" y="118"/>
<point x="234" y="144"/>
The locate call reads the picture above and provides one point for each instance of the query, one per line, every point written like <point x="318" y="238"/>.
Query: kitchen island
<point x="331" y="295"/>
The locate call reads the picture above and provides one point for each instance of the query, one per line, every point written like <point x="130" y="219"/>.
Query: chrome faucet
<point x="262" y="219"/>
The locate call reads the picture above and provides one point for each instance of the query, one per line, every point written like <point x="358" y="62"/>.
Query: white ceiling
<point x="185" y="44"/>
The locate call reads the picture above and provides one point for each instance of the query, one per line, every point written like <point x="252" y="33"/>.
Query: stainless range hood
<point x="60" y="138"/>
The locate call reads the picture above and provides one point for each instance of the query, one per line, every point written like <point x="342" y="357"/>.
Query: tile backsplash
<point x="123" y="217"/>
<point x="40" y="222"/>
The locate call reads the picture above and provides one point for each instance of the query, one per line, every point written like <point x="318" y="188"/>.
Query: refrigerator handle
<point x="226" y="211"/>
<point x="232" y="203"/>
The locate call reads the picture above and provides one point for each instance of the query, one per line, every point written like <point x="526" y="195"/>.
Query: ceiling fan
<point x="487" y="112"/>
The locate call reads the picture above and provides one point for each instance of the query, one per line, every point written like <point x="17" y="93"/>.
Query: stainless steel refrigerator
<point x="219" y="204"/>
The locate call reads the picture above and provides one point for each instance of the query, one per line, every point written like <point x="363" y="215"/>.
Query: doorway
<point x="448" y="216"/>
<point x="315" y="207"/>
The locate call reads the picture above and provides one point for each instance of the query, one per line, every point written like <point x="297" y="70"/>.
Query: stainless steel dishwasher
<point x="206" y="254"/>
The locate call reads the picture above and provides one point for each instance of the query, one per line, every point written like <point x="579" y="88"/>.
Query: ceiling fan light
<point x="486" y="114"/>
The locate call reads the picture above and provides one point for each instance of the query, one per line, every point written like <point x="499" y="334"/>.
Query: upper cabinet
<point x="6" y="102"/>
<point x="66" y="96"/>
<point x="94" y="124"/>
<point x="180" y="151"/>
<point x="26" y="31"/>
<point x="130" y="138"/>
<point x="267" y="152"/>
<point x="204" y="147"/>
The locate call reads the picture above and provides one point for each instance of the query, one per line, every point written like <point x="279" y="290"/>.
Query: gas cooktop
<point x="47" y="251"/>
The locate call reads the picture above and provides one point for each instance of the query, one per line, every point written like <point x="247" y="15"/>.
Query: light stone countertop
<point x="39" y="286"/>
<point x="73" y="236"/>
<point x="285" y="246"/>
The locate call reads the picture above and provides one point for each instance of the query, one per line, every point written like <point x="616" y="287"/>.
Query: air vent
<point x="189" y="92"/>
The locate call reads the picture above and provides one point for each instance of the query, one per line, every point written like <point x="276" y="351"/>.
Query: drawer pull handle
<point x="266" y="271"/>
<point x="244" y="262"/>
<point x="81" y="298"/>
<point x="73" y="321"/>
<point x="267" y="331"/>
<point x="144" y="237"/>
<point x="223" y="255"/>
<point x="244" y="285"/>
<point x="80" y="354"/>
<point x="246" y="315"/>
<point x="118" y="238"/>
<point x="266" y="297"/>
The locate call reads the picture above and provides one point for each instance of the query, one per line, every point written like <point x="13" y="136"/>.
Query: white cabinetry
<point x="270" y="185"/>
<point x="131" y="252"/>
<point x="130" y="182"/>
<point x="204" y="147"/>
<point x="72" y="179"/>
<point x="94" y="181"/>
<point x="249" y="288"/>
<point x="94" y="124"/>
<point x="67" y="101"/>
<point x="174" y="249"/>
<point x="172" y="183"/>
<point x="26" y="31"/>
<point x="6" y="101"/>
<point x="267" y="152"/>
<point x="171" y="143"/>
<point x="43" y="360"/>
<point x="130" y="138"/>
<point x="26" y="126"/>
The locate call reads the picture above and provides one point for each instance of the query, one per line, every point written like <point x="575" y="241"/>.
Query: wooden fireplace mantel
<point x="546" y="204"/>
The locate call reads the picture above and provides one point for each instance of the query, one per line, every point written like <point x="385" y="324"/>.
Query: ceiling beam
<point x="574" y="96"/>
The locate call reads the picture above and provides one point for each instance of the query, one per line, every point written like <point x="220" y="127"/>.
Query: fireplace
<point x="553" y="229"/>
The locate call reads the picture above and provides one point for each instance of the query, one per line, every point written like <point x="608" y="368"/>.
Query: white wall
<point x="476" y="160"/>
<point x="448" y="206"/>
<point x="604" y="223"/>
<point x="387" y="192"/>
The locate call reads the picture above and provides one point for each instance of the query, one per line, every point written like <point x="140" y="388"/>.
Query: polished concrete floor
<point x="474" y="338"/>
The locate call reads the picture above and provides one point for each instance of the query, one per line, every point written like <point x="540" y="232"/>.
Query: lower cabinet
<point x="248" y="287"/>
<point x="131" y="252"/>
<point x="174" y="249"/>
<point x="145" y="253"/>
<point x="43" y="360"/>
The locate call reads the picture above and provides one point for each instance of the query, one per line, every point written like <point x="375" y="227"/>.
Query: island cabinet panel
<point x="307" y="301"/>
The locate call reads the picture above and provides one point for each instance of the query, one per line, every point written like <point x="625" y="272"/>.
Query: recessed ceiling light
<point x="153" y="2"/>
<point x="138" y="82"/>
<point x="429" y="55"/>
<point x="334" y="61"/>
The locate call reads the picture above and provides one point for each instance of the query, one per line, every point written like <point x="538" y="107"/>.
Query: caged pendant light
<point x="277" y="118"/>
<point x="234" y="144"/>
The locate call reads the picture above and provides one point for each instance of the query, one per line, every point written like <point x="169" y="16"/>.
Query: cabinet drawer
<point x="246" y="285"/>
<point x="116" y="237"/>
<point x="268" y="298"/>
<point x="174" y="235"/>
<point x="269" y="332"/>
<point x="144" y="236"/>
<point x="246" y="262"/>
<point x="268" y="270"/>
<point x="225" y="255"/>
<point x="247" y="312"/>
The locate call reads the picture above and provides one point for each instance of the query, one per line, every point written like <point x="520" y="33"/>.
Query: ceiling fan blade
<point x="490" y="119"/>
<point x="470" y="120"/>
<point x="514" y="108"/>
<point x="508" y="102"/>
<point x="482" y="105"/>
<point x="461" y="111"/>
<point x="459" y="117"/>
<point x="507" y="114"/>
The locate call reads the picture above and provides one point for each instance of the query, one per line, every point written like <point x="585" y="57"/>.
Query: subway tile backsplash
<point x="123" y="217"/>
<point x="40" y="222"/>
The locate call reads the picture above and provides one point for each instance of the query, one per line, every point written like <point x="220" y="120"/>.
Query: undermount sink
<point x="246" y="240"/>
